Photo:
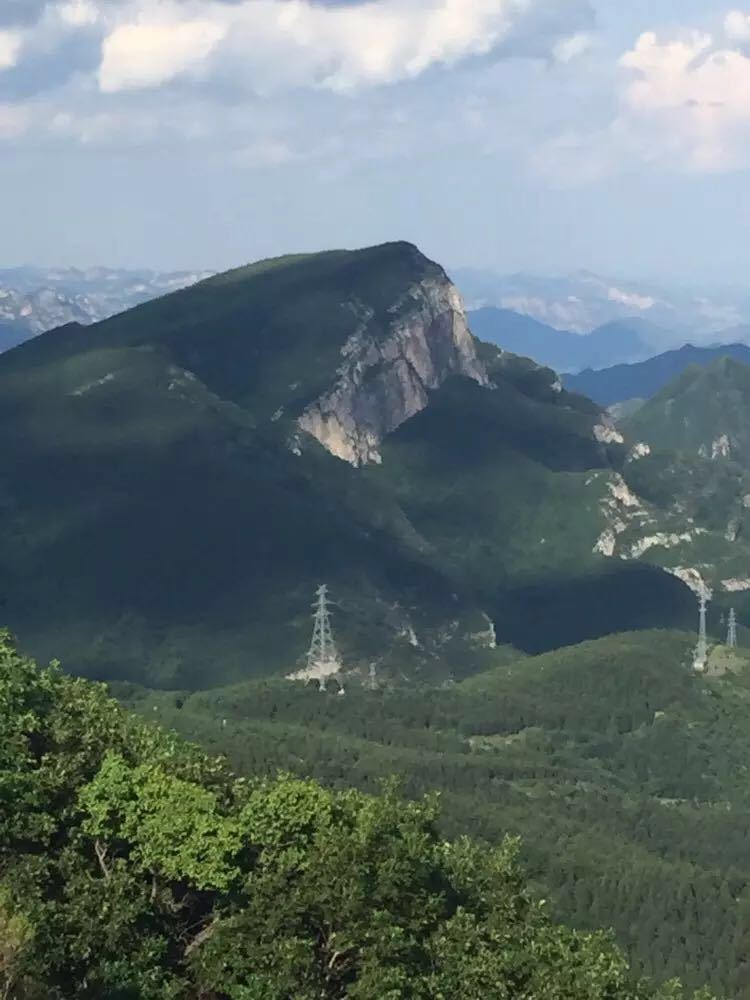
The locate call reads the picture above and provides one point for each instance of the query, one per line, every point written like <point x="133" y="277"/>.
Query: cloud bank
<point x="683" y="105"/>
<point x="270" y="45"/>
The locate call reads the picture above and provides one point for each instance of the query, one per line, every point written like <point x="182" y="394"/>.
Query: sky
<point x="539" y="135"/>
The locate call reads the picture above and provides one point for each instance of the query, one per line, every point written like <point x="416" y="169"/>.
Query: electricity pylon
<point x="732" y="630"/>
<point x="701" y="650"/>
<point x="322" y="658"/>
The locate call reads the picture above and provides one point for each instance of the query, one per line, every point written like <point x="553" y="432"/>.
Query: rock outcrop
<point x="386" y="378"/>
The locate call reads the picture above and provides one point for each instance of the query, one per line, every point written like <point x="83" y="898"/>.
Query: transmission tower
<point x="322" y="657"/>
<point x="701" y="650"/>
<point x="732" y="630"/>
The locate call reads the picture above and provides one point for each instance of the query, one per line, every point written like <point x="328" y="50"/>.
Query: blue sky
<point x="543" y="135"/>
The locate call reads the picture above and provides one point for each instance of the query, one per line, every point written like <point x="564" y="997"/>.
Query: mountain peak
<point x="704" y="405"/>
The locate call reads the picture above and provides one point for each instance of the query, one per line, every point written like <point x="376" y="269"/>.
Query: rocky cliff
<point x="384" y="380"/>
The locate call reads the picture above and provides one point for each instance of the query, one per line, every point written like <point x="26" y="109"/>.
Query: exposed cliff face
<point x="385" y="380"/>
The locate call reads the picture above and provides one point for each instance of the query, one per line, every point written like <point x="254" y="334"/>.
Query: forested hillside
<point x="622" y="770"/>
<point x="134" y="866"/>
<point x="178" y="490"/>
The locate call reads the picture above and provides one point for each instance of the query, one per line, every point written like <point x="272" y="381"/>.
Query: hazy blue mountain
<point x="559" y="349"/>
<point x="645" y="378"/>
<point x="583" y="301"/>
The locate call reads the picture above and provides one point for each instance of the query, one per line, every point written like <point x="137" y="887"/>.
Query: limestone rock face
<point x="385" y="379"/>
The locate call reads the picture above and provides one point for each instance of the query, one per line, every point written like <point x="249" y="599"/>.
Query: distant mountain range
<point x="582" y="302"/>
<point x="538" y="317"/>
<point x="562" y="350"/>
<point x="34" y="299"/>
<point x="644" y="379"/>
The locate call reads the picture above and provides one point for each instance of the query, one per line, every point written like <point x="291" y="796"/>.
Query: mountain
<point x="687" y="483"/>
<point x="704" y="412"/>
<point x="33" y="300"/>
<point x="645" y="378"/>
<point x="559" y="349"/>
<point x="180" y="478"/>
<point x="621" y="769"/>
<point x="583" y="301"/>
<point x="41" y="309"/>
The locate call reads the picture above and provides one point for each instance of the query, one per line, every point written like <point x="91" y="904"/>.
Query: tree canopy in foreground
<point x="134" y="866"/>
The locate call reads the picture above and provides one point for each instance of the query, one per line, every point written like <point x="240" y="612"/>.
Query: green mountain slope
<point x="688" y="472"/>
<point x="171" y="493"/>
<point x="134" y="866"/>
<point x="623" y="771"/>
<point x="704" y="412"/>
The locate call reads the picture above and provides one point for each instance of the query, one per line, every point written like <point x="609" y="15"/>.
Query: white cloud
<point x="684" y="104"/>
<point x="737" y="26"/>
<point x="10" y="48"/>
<point x="699" y="88"/>
<point x="148" y="53"/>
<point x="631" y="299"/>
<point x="572" y="47"/>
<point x="78" y="13"/>
<point x="275" y="44"/>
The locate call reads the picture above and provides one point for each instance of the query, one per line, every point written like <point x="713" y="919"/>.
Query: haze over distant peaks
<point x="563" y="350"/>
<point x="35" y="299"/>
<point x="582" y="301"/>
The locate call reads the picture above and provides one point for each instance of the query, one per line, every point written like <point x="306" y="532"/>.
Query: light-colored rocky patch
<point x="622" y="493"/>
<point x="608" y="434"/>
<point x="720" y="448"/>
<point x="690" y="576"/>
<point x="321" y="672"/>
<point x="408" y="633"/>
<point x="88" y="386"/>
<point x="383" y="381"/>
<point x="486" y="639"/>
<point x="661" y="539"/>
<point x="606" y="543"/>
<point x="639" y="450"/>
<point x="620" y="507"/>
<point x="735" y="584"/>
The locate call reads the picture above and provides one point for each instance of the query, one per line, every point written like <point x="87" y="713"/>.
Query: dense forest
<point x="623" y="772"/>
<point x="133" y="865"/>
